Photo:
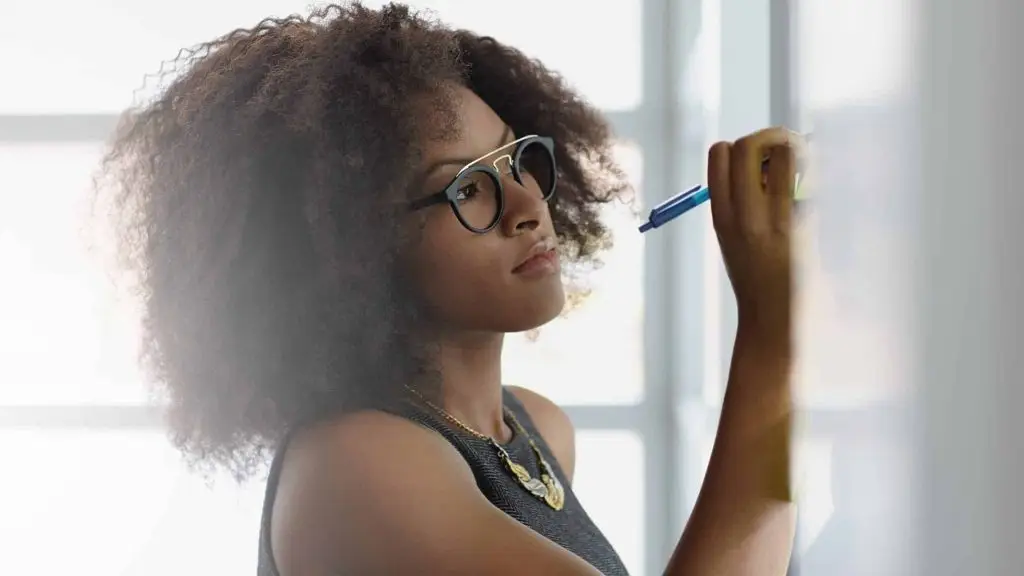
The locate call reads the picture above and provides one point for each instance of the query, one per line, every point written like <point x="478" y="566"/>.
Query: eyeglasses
<point x="476" y="194"/>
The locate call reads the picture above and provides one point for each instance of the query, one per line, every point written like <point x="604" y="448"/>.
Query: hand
<point x="753" y="218"/>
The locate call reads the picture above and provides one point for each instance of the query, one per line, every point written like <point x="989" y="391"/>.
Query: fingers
<point x="719" y="185"/>
<point x="754" y="208"/>
<point x="780" y="189"/>
<point x="749" y="193"/>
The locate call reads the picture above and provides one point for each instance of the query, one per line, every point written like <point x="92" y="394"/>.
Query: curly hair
<point x="255" y="201"/>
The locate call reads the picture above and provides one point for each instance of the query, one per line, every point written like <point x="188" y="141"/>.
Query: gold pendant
<point x="537" y="488"/>
<point x="555" y="496"/>
<point x="554" y="492"/>
<point x="547" y="488"/>
<point x="518" y="470"/>
<point x="532" y="485"/>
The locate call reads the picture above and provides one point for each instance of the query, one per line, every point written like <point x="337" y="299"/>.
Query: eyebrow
<point x="461" y="162"/>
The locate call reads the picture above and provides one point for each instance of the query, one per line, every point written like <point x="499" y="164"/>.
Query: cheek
<point x="454" y="267"/>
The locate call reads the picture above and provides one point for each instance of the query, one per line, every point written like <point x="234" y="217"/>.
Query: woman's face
<point x="506" y="280"/>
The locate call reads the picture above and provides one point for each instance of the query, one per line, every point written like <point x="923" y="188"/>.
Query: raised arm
<point x="744" y="520"/>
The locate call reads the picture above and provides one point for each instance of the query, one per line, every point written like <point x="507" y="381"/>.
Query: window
<point x="66" y="339"/>
<point x="101" y="502"/>
<point x="610" y="485"/>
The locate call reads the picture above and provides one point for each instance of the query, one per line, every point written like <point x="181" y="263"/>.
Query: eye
<point x="472" y="186"/>
<point x="467" y="191"/>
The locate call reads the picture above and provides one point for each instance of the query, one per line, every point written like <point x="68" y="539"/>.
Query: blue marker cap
<point x="676" y="206"/>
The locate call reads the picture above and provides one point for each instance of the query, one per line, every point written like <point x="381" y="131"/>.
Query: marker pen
<point x="685" y="201"/>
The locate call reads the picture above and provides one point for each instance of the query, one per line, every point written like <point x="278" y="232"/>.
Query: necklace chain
<point x="451" y="418"/>
<point x="548" y="488"/>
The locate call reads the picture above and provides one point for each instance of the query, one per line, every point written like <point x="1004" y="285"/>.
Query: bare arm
<point x="743" y="522"/>
<point x="744" y="519"/>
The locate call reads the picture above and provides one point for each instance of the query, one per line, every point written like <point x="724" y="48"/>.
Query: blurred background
<point x="908" y="377"/>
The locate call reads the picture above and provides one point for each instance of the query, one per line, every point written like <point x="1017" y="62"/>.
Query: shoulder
<point x="339" y="478"/>
<point x="553" y="423"/>
<point x="373" y="493"/>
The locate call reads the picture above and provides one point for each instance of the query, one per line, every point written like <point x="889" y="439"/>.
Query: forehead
<point x="476" y="130"/>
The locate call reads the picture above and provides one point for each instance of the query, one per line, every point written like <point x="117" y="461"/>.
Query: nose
<point x="524" y="207"/>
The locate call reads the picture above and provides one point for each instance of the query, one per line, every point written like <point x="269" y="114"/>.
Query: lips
<point x="541" y="259"/>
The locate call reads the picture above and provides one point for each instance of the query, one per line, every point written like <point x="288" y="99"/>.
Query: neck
<point x="471" y="382"/>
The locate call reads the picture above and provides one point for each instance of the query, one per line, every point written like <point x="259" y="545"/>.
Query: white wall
<point x="916" y="113"/>
<point x="970" y="267"/>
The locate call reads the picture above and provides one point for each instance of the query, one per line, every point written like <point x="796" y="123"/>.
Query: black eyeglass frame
<point x="450" y="194"/>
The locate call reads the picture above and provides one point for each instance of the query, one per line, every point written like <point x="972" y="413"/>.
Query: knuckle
<point x="768" y="137"/>
<point x="719" y="150"/>
<point x="779" y="134"/>
<point x="744" y="145"/>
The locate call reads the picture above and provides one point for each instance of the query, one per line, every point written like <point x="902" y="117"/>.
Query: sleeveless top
<point x="569" y="527"/>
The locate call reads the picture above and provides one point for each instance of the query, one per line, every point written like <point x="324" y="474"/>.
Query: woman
<point x="337" y="219"/>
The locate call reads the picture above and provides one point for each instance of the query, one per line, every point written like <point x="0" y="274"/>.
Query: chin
<point x="537" y="310"/>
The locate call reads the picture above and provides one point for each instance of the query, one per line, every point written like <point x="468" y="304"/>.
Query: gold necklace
<point x="547" y="488"/>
